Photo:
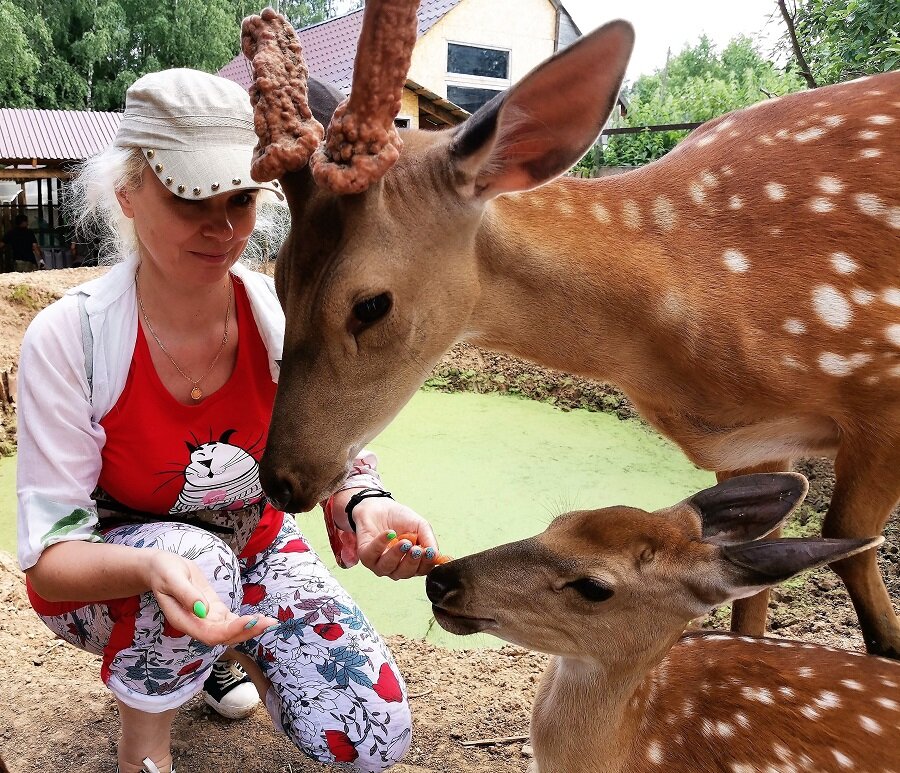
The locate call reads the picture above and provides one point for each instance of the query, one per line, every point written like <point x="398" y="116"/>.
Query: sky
<point x="664" y="24"/>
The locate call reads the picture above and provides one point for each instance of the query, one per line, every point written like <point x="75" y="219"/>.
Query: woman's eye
<point x="591" y="589"/>
<point x="243" y="199"/>
<point x="370" y="310"/>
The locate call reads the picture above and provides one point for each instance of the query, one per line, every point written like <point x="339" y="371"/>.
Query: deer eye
<point x="370" y="310"/>
<point x="591" y="589"/>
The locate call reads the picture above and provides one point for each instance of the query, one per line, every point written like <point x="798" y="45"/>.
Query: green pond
<point x="486" y="469"/>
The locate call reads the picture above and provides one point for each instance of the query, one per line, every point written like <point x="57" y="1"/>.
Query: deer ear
<point x="748" y="507"/>
<point x="757" y="565"/>
<point x="532" y="133"/>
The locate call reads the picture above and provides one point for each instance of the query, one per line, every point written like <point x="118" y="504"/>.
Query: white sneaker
<point x="229" y="690"/>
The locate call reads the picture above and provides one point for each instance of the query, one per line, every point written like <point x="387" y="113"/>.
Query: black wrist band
<point x="358" y="497"/>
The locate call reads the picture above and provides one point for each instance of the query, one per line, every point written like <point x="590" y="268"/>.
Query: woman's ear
<point x="125" y="202"/>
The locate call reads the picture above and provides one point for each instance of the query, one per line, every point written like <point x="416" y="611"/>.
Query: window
<point x="470" y="99"/>
<point x="475" y="60"/>
<point x="402" y="123"/>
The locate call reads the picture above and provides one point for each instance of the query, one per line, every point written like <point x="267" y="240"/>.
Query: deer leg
<point x="748" y="616"/>
<point x="866" y="491"/>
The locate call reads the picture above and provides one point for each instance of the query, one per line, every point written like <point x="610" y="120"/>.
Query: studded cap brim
<point x="208" y="171"/>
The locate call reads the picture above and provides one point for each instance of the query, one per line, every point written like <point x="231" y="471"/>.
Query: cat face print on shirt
<point x="219" y="476"/>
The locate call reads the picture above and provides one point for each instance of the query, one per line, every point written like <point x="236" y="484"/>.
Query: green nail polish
<point x="200" y="609"/>
<point x="392" y="534"/>
<point x="250" y="624"/>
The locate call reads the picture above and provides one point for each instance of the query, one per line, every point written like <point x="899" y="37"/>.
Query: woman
<point x="144" y="401"/>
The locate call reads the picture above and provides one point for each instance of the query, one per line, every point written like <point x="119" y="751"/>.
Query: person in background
<point x="26" y="253"/>
<point x="144" y="405"/>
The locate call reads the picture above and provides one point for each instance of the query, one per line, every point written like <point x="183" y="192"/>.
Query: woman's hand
<point x="374" y="518"/>
<point x="178" y="583"/>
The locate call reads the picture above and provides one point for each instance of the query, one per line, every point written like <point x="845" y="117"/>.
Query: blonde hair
<point x="91" y="204"/>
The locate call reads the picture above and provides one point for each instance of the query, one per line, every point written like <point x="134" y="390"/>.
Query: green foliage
<point x="84" y="54"/>
<point x="696" y="85"/>
<point x="846" y="39"/>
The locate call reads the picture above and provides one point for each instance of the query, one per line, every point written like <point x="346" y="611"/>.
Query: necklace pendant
<point x="196" y="393"/>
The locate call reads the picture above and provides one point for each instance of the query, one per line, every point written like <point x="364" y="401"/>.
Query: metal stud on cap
<point x="168" y="181"/>
<point x="215" y="186"/>
<point x="236" y="181"/>
<point x="275" y="183"/>
<point x="181" y="189"/>
<point x="150" y="154"/>
<point x="196" y="191"/>
<point x="158" y="167"/>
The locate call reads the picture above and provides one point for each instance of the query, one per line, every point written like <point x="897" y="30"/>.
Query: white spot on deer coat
<point x="805" y="672"/>
<point x="888" y="703"/>
<point x="706" y="140"/>
<point x="795" y="326"/>
<point x="828" y="700"/>
<point x="655" y="753"/>
<point x="852" y="684"/>
<point x="892" y="333"/>
<point x="697" y="193"/>
<point x="736" y="261"/>
<point x="843" y="263"/>
<point x="870" y="724"/>
<point x="793" y="363"/>
<point x="601" y="213"/>
<point x="775" y="191"/>
<point x="709" y="180"/>
<point x="810" y="712"/>
<point x="821" y="205"/>
<point x="838" y="365"/>
<point x="735" y="202"/>
<point x="631" y="214"/>
<point x="870" y="153"/>
<point x="862" y="297"/>
<point x="664" y="213"/>
<point x="761" y="694"/>
<point x="870" y="204"/>
<point x="832" y="307"/>
<point x="806" y="135"/>
<point x="869" y="134"/>
<point x="893" y="217"/>
<point x="881" y="120"/>
<point x="891" y="296"/>
<point x="833" y="120"/>
<point x="830" y="185"/>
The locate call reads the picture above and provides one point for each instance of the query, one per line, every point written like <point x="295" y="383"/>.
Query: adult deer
<point x="609" y="592"/>
<point x="743" y="291"/>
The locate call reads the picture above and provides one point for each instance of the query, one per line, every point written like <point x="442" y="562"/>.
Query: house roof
<point x="329" y="47"/>
<point x="54" y="135"/>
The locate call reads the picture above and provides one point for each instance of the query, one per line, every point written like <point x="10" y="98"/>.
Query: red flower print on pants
<point x="190" y="668"/>
<point x="339" y="745"/>
<point x="329" y="631"/>
<point x="254" y="593"/>
<point x="295" y="546"/>
<point x="387" y="687"/>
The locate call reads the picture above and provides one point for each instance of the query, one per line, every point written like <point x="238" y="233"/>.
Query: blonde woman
<point x="144" y="401"/>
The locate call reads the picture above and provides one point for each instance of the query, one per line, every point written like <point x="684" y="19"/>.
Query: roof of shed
<point x="54" y="135"/>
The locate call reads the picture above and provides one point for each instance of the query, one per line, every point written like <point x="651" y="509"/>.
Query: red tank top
<point x="167" y="458"/>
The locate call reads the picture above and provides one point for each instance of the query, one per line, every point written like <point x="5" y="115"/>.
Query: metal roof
<point x="329" y="47"/>
<point x="54" y="135"/>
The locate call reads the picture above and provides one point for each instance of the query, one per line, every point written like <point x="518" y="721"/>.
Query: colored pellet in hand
<point x="200" y="609"/>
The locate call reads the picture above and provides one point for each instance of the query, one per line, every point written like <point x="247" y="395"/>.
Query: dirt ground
<point x="55" y="715"/>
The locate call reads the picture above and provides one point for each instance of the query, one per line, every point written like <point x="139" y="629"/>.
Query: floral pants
<point x="336" y="691"/>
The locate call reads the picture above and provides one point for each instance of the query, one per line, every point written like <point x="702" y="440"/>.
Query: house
<point x="467" y="51"/>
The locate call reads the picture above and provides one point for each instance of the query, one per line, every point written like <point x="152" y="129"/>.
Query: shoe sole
<point x="230" y="712"/>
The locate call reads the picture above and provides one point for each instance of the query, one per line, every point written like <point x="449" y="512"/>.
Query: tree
<point x="838" y="40"/>
<point x="18" y="62"/>
<point x="695" y="85"/>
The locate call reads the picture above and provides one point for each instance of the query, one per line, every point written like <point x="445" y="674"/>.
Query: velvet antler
<point x="362" y="142"/>
<point x="288" y="134"/>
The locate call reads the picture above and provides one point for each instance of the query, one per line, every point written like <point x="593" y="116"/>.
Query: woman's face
<point x="190" y="241"/>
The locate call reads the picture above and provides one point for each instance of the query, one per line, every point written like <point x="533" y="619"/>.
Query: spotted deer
<point x="743" y="291"/>
<point x="609" y="592"/>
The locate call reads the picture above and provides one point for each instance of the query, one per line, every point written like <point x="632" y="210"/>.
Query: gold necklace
<point x="196" y="392"/>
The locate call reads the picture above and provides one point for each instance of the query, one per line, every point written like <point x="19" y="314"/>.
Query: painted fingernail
<point x="253" y="622"/>
<point x="272" y="628"/>
<point x="430" y="553"/>
<point x="200" y="609"/>
<point x="405" y="546"/>
<point x="416" y="552"/>
<point x="392" y="534"/>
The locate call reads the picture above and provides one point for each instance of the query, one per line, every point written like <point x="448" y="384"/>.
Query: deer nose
<point x="441" y="583"/>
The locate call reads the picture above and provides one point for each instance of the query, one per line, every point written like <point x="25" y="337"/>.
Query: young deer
<point x="609" y="593"/>
<point x="744" y="291"/>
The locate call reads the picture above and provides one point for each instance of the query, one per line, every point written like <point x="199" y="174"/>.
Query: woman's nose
<point x="218" y="225"/>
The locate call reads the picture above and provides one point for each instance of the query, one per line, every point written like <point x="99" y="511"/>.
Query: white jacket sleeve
<point x="59" y="443"/>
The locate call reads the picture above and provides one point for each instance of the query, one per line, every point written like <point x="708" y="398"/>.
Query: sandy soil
<point x="55" y="715"/>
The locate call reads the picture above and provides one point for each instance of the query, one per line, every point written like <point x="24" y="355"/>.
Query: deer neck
<point x="560" y="264"/>
<point x="588" y="713"/>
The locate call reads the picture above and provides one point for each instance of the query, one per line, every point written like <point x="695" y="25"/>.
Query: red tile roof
<point x="329" y="47"/>
<point x="54" y="135"/>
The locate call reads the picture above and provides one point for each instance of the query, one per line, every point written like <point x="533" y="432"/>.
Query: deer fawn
<point x="609" y="592"/>
<point x="744" y="291"/>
